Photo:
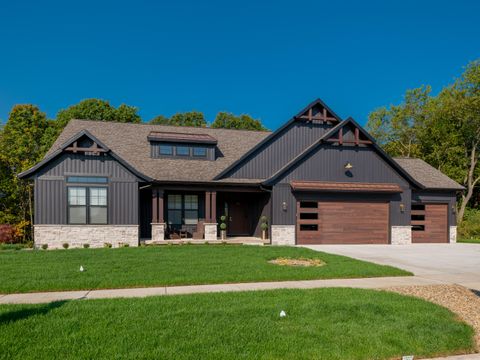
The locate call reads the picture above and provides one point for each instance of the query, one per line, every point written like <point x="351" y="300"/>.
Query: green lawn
<point x="27" y="271"/>
<point x="472" y="240"/>
<point x="320" y="324"/>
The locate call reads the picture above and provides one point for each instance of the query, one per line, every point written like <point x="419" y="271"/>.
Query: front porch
<point x="179" y="215"/>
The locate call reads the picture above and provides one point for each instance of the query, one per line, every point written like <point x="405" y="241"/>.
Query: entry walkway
<point x="365" y="283"/>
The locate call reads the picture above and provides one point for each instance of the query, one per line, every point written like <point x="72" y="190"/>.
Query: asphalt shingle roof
<point x="427" y="175"/>
<point x="129" y="141"/>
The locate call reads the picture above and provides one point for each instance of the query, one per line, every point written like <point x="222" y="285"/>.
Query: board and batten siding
<point x="327" y="163"/>
<point x="439" y="197"/>
<point x="51" y="188"/>
<point x="274" y="154"/>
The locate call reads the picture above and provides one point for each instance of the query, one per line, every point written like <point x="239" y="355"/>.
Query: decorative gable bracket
<point x="318" y="111"/>
<point x="357" y="138"/>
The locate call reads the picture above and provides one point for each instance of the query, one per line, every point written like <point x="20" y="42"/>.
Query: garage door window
<point x="418" y="217"/>
<point x="309" y="216"/>
<point x="308" y="204"/>
<point x="308" y="227"/>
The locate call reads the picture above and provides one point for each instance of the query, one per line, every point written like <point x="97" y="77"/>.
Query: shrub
<point x="126" y="245"/>
<point x="469" y="228"/>
<point x="44" y="246"/>
<point x="65" y="245"/>
<point x="86" y="246"/>
<point x="107" y="245"/>
<point x="7" y="234"/>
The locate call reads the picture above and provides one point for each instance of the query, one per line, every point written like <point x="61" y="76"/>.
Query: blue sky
<point x="265" y="58"/>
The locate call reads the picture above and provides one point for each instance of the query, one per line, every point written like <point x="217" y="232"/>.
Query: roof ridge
<point x="162" y="125"/>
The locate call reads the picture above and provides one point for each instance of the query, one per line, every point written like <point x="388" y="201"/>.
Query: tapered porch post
<point x="210" y="215"/>
<point x="158" y="222"/>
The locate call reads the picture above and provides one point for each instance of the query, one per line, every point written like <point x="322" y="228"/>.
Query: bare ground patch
<point x="458" y="299"/>
<point x="297" y="262"/>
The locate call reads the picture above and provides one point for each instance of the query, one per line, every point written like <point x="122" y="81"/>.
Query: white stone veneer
<point x="78" y="235"/>
<point x="158" y="233"/>
<point x="210" y="231"/>
<point x="283" y="235"/>
<point x="401" y="235"/>
<point x="453" y="234"/>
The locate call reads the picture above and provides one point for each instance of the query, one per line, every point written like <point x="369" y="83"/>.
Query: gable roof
<point x="130" y="143"/>
<point x="327" y="136"/>
<point x="427" y="175"/>
<point x="313" y="104"/>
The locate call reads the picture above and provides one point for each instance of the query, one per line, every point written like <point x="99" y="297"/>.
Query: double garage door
<point x="363" y="222"/>
<point x="342" y="222"/>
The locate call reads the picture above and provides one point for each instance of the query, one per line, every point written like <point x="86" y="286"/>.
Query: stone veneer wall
<point x="283" y="235"/>
<point x="77" y="235"/>
<point x="453" y="234"/>
<point x="158" y="233"/>
<point x="211" y="231"/>
<point x="401" y="235"/>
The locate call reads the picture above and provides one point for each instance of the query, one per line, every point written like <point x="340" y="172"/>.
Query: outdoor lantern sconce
<point x="402" y="208"/>
<point x="348" y="166"/>
<point x="284" y="206"/>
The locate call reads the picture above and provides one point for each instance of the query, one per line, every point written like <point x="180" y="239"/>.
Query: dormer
<point x="183" y="146"/>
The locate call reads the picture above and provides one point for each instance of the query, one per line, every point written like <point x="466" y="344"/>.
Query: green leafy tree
<point x="191" y="118"/>
<point x="160" y="120"/>
<point x="22" y="144"/>
<point x="396" y="127"/>
<point x="230" y="121"/>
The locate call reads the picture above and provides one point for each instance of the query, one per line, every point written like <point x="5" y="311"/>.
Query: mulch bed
<point x="460" y="300"/>
<point x="297" y="262"/>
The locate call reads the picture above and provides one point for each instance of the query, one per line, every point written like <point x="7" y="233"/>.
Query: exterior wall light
<point x="348" y="166"/>
<point x="284" y="206"/>
<point x="402" y="208"/>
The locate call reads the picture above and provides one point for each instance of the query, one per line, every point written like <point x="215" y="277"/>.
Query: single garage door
<point x="342" y="222"/>
<point x="429" y="223"/>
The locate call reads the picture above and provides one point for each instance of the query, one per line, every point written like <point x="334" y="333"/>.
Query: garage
<point x="342" y="222"/>
<point x="429" y="223"/>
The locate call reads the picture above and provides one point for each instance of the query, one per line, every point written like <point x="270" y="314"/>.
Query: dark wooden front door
<point x="237" y="218"/>
<point x="341" y="222"/>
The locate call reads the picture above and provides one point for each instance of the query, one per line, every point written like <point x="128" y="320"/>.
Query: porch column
<point x="210" y="215"/>
<point x="158" y="222"/>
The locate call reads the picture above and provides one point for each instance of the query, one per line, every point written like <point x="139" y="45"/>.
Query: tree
<point x="96" y="109"/>
<point x="22" y="144"/>
<point x="395" y="128"/>
<point x="160" y="120"/>
<point x="191" y="118"/>
<point x="230" y="121"/>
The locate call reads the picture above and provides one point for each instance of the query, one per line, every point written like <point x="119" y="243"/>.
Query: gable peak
<point x="318" y="111"/>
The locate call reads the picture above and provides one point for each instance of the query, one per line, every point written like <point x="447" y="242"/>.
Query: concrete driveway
<point x="445" y="263"/>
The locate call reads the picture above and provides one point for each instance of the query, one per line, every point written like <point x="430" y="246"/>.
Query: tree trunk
<point x="470" y="184"/>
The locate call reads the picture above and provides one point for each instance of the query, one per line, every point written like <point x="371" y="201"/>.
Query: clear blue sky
<point x="265" y="58"/>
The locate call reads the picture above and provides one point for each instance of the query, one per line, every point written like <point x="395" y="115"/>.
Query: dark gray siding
<point x="155" y="150"/>
<point x="432" y="197"/>
<point x="328" y="164"/>
<point x="276" y="153"/>
<point x="50" y="188"/>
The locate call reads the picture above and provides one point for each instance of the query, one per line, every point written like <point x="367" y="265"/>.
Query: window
<point x="418" y="206"/>
<point x="309" y="204"/>
<point x="191" y="209"/>
<point x="183" y="151"/>
<point x="309" y="216"/>
<point x="418" y="227"/>
<point x="87" y="179"/>
<point x="166" y="150"/>
<point x="87" y="205"/>
<point x="174" y="206"/>
<point x="417" y="217"/>
<point x="308" y="227"/>
<point x="182" y="209"/>
<point x="77" y="205"/>
<point x="199" y="151"/>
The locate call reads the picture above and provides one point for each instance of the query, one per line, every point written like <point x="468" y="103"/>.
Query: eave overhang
<point x="325" y="186"/>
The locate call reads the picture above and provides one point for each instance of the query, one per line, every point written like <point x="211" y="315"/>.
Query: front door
<point x="237" y="218"/>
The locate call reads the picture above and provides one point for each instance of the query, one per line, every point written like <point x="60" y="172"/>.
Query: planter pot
<point x="264" y="234"/>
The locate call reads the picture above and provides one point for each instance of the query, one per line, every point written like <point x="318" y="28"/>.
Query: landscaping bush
<point x="44" y="246"/>
<point x="107" y="245"/>
<point x="65" y="245"/>
<point x="7" y="234"/>
<point x="469" y="228"/>
<point x="86" y="246"/>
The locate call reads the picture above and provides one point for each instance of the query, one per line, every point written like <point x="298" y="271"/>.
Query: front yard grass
<point x="39" y="270"/>
<point x="471" y="240"/>
<point x="331" y="323"/>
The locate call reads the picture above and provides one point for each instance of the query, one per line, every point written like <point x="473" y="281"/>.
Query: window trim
<point x="81" y="179"/>
<point x="87" y="205"/>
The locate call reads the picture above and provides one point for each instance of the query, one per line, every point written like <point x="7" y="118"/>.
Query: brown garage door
<point x="332" y="222"/>
<point x="429" y="223"/>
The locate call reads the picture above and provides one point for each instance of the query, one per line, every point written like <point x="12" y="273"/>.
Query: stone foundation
<point x="158" y="233"/>
<point x="401" y="235"/>
<point x="283" y="234"/>
<point x="210" y="231"/>
<point x="453" y="234"/>
<point x="78" y="235"/>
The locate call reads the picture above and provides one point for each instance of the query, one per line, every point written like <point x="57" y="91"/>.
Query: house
<point x="318" y="179"/>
